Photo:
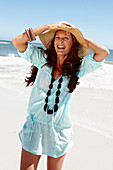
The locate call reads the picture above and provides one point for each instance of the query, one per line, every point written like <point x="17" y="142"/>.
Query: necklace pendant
<point x="49" y="112"/>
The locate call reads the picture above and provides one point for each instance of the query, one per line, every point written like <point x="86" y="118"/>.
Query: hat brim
<point x="47" y="37"/>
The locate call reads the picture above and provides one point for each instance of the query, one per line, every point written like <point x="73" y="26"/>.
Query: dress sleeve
<point x="89" y="64"/>
<point x="33" y="55"/>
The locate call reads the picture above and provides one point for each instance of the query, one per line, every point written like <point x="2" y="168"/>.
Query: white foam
<point x="13" y="71"/>
<point x="2" y="42"/>
<point x="99" y="79"/>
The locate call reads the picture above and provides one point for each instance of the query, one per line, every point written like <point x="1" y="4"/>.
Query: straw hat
<point x="47" y="37"/>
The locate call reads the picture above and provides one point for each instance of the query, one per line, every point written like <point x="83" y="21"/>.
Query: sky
<point x="93" y="18"/>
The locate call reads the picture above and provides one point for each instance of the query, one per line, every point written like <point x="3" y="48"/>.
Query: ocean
<point x="14" y="69"/>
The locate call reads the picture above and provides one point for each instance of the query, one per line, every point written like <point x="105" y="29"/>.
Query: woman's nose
<point x="61" y="40"/>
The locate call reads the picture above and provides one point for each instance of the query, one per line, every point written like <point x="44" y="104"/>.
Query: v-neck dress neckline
<point x="53" y="77"/>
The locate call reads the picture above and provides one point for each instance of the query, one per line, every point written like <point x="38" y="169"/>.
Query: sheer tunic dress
<point x="42" y="133"/>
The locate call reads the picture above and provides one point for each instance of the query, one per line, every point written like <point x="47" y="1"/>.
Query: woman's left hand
<point x="61" y="24"/>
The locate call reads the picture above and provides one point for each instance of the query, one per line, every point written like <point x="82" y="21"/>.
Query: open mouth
<point x="61" y="47"/>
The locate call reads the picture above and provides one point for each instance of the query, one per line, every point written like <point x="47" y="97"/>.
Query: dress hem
<point x="44" y="153"/>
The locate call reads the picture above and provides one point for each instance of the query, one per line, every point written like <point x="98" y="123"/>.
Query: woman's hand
<point x="61" y="24"/>
<point x="100" y="51"/>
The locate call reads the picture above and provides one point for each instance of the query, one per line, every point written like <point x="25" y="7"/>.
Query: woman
<point x="48" y="128"/>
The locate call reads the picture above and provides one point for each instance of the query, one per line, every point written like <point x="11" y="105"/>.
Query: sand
<point x="92" y="150"/>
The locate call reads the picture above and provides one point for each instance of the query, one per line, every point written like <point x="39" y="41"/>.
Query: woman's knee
<point x="29" y="161"/>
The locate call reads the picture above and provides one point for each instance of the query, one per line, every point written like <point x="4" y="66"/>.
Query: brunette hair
<point x="69" y="68"/>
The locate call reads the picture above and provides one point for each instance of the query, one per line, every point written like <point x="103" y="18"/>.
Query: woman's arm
<point x="100" y="51"/>
<point x="20" y="42"/>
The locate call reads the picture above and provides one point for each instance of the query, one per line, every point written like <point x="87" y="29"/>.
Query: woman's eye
<point x="66" y="38"/>
<point x="57" y="37"/>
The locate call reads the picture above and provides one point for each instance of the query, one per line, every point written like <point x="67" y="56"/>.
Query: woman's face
<point x="62" y="43"/>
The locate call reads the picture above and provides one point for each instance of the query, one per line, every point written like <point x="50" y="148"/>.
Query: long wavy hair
<point x="69" y="68"/>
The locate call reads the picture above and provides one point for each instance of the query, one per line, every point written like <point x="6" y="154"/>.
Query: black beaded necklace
<point x="46" y="106"/>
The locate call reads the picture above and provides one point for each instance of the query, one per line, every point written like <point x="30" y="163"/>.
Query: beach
<point x="91" y="149"/>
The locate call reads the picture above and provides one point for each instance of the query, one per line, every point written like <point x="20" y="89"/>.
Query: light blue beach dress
<point x="42" y="133"/>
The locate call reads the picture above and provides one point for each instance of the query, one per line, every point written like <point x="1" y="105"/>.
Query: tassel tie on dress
<point x="31" y="128"/>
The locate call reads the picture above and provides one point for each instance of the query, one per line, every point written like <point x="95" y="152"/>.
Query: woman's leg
<point x="55" y="163"/>
<point x="29" y="161"/>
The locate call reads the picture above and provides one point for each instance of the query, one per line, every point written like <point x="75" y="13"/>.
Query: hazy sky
<point x="93" y="18"/>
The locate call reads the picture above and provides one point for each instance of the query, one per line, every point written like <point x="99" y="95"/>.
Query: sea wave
<point x="2" y="42"/>
<point x="108" y="62"/>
